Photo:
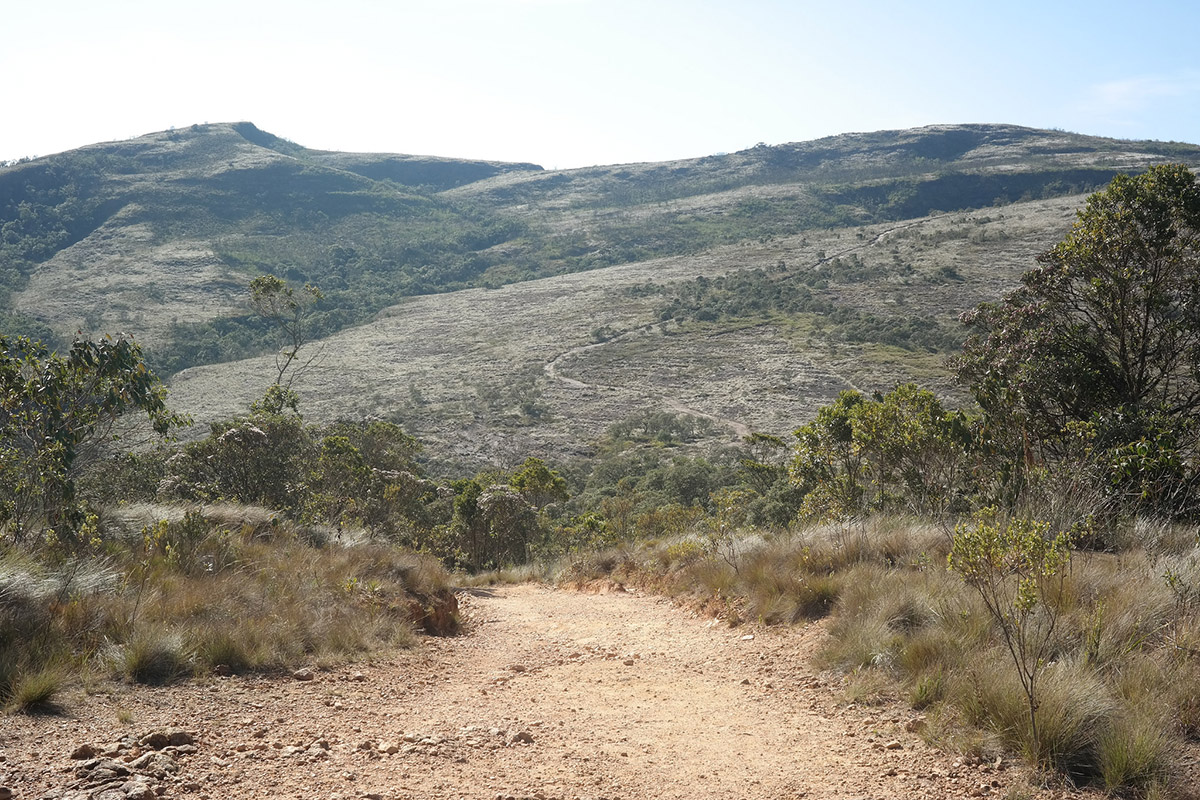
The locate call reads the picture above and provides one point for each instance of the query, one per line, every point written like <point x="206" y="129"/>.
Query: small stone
<point x="103" y="767"/>
<point x="138" y="790"/>
<point x="518" y="668"/>
<point x="521" y="737"/>
<point x="156" y="740"/>
<point x="916" y="725"/>
<point x="391" y="748"/>
<point x="745" y="681"/>
<point x="177" y="737"/>
<point x="5" y="793"/>
<point x="749" y="637"/>
<point x="358" y="676"/>
<point x="84" y="751"/>
<point x="894" y="744"/>
<point x="303" y="674"/>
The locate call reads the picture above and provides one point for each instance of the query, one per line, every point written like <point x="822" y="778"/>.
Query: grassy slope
<point x="181" y="219"/>
<point x="455" y="368"/>
<point x="168" y="228"/>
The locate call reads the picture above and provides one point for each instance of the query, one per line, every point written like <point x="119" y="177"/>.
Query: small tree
<point x="898" y="450"/>
<point x="1104" y="332"/>
<point x="1018" y="570"/>
<point x="258" y="458"/>
<point x="57" y="413"/>
<point x="288" y="310"/>
<point x="538" y="484"/>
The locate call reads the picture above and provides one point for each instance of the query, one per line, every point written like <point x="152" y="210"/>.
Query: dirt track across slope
<point x="550" y="694"/>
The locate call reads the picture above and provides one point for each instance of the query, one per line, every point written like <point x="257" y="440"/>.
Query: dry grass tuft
<point x="36" y="691"/>
<point x="1116" y="701"/>
<point x="153" y="655"/>
<point x="1135" y="752"/>
<point x="194" y="589"/>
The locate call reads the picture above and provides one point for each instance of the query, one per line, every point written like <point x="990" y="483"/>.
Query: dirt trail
<point x="738" y="428"/>
<point x="551" y="694"/>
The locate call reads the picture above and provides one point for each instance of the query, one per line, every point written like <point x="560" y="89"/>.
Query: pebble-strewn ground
<point x="550" y="694"/>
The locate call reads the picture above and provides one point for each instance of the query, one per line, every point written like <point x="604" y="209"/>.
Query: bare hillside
<point x="491" y="376"/>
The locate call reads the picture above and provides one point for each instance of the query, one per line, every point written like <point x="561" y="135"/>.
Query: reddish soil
<point x="549" y="694"/>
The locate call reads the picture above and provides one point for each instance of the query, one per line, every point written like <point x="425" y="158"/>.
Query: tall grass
<point x="174" y="593"/>
<point x="1119" y="693"/>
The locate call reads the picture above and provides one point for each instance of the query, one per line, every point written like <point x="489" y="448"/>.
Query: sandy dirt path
<point x="550" y="694"/>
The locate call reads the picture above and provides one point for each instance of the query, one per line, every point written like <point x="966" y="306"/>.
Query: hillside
<point x="159" y="234"/>
<point x="498" y="310"/>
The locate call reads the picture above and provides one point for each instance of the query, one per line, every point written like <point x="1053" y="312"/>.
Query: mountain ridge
<point x="855" y="250"/>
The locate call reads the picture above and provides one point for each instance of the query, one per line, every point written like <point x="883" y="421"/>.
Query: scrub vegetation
<point x="1016" y="555"/>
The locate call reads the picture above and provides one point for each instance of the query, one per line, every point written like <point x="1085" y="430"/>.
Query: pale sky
<point x="569" y="83"/>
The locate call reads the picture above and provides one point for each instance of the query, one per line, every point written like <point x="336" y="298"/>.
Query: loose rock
<point x="84" y="751"/>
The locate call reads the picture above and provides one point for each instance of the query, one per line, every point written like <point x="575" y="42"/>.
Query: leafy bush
<point x="1018" y="569"/>
<point x="1102" y="337"/>
<point x="898" y="451"/>
<point x="56" y="413"/>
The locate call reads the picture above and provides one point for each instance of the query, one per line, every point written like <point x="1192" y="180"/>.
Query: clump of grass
<point x="525" y="573"/>
<point x="235" y="648"/>
<point x="929" y="688"/>
<point x="152" y="655"/>
<point x="191" y="591"/>
<point x="867" y="687"/>
<point x="36" y="691"/>
<point x="1136" y="752"/>
<point x="1074" y="706"/>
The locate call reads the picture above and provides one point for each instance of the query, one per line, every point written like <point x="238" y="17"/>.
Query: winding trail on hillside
<point x="550" y="694"/>
<point x="739" y="428"/>
<point x="550" y="368"/>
